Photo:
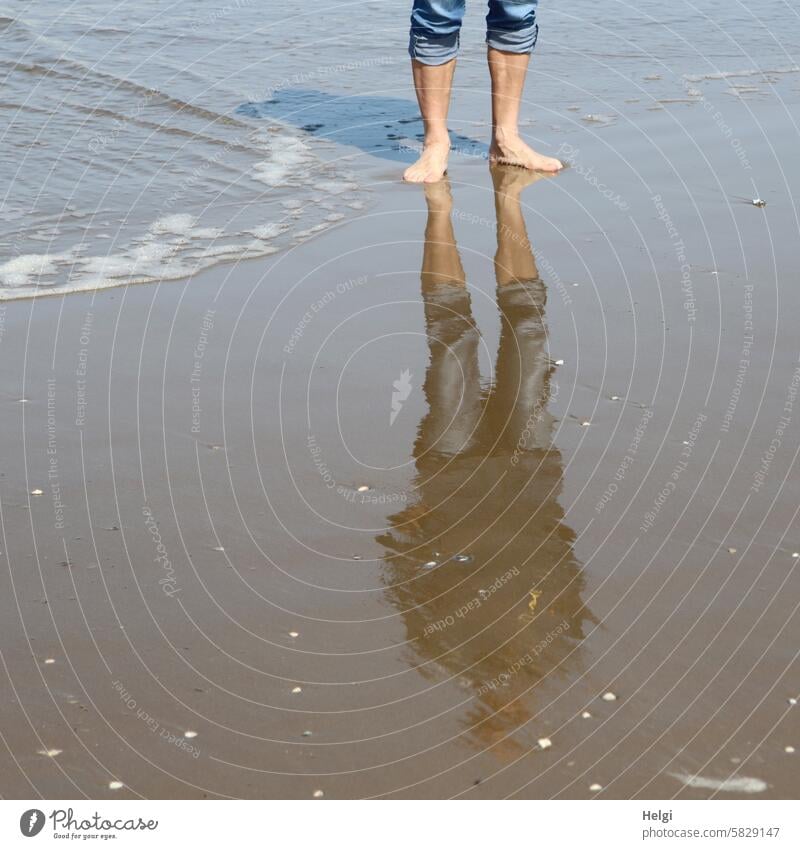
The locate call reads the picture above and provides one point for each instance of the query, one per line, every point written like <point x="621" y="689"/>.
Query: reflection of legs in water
<point x="441" y="262"/>
<point x="514" y="259"/>
<point x="452" y="381"/>
<point x="480" y="495"/>
<point x="516" y="414"/>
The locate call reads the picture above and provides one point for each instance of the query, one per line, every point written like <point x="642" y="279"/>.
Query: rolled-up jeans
<point x="436" y="26"/>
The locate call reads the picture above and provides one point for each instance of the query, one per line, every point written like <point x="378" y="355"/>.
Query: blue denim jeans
<point x="436" y="25"/>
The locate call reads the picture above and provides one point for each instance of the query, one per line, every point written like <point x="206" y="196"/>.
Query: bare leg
<point x="433" y="84"/>
<point x="514" y="259"/>
<point x="441" y="262"/>
<point x="508" y="79"/>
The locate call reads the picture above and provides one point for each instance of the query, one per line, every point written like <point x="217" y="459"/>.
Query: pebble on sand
<point x="789" y="750"/>
<point x="545" y="742"/>
<point x="586" y="715"/>
<point x="297" y="689"/>
<point x="306" y="734"/>
<point x="318" y="794"/>
<point x="595" y="787"/>
<point x="609" y="697"/>
<point x="115" y="785"/>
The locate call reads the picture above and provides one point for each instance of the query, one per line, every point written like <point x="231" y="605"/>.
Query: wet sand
<point x="574" y="409"/>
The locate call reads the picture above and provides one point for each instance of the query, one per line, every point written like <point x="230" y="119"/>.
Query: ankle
<point x="436" y="140"/>
<point x="436" y="134"/>
<point x="503" y="134"/>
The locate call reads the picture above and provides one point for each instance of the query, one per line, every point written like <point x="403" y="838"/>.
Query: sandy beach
<point x="487" y="490"/>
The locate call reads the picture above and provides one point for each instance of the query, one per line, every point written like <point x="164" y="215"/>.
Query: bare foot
<point x="431" y="166"/>
<point x="509" y="149"/>
<point x="509" y="181"/>
<point x="439" y="197"/>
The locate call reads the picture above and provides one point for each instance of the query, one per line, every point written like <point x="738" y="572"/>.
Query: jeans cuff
<point x="433" y="51"/>
<point x="513" y="41"/>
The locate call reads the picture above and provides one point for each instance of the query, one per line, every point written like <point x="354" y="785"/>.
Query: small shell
<point x="297" y="689"/>
<point x="595" y="787"/>
<point x="789" y="750"/>
<point x="293" y="634"/>
<point x="317" y="794"/>
<point x="189" y="734"/>
<point x="609" y="697"/>
<point x="545" y="742"/>
<point x="363" y="488"/>
<point x="115" y="785"/>
<point x="586" y="715"/>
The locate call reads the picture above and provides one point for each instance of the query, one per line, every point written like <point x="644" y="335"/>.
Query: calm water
<point x="146" y="141"/>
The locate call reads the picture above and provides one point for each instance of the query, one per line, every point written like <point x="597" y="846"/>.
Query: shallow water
<point x="149" y="143"/>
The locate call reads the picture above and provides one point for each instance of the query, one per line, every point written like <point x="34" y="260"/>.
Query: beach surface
<point x="489" y="490"/>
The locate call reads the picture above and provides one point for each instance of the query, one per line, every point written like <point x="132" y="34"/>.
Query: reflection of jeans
<point x="436" y="24"/>
<point x="464" y="418"/>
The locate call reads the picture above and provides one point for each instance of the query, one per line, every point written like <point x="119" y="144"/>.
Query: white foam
<point x="334" y="187"/>
<point x="266" y="231"/>
<point x="285" y="158"/>
<point x="739" y="784"/>
<point x="30" y="268"/>
<point x="180" y="244"/>
<point x="180" y="224"/>
<point x="599" y="119"/>
<point x="750" y="72"/>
